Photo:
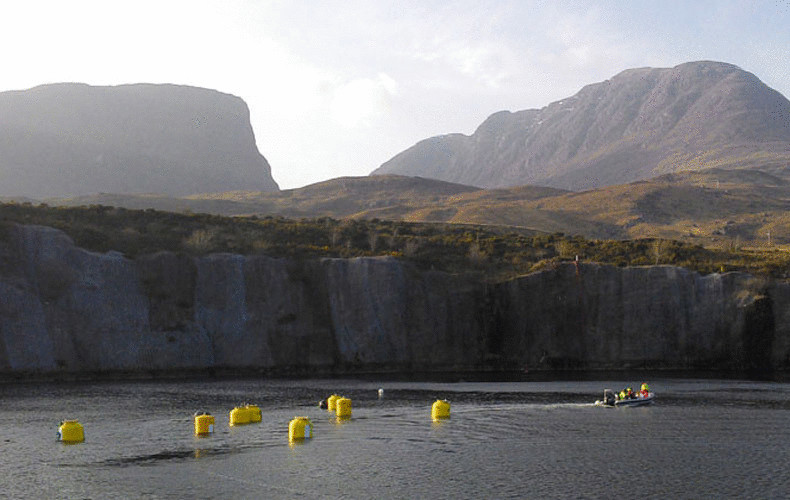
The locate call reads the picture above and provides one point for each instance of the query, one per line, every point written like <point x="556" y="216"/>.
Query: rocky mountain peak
<point x="640" y="123"/>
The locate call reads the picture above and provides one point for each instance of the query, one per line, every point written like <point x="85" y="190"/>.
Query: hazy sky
<point x="336" y="88"/>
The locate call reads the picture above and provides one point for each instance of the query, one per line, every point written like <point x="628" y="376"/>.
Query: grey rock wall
<point x="64" y="309"/>
<point x="646" y="317"/>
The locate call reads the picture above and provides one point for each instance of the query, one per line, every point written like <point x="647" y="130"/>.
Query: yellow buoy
<point x="331" y="402"/>
<point x="300" y="428"/>
<point x="343" y="407"/>
<point x="440" y="409"/>
<point x="71" y="431"/>
<point x="204" y="423"/>
<point x="239" y="415"/>
<point x="255" y="413"/>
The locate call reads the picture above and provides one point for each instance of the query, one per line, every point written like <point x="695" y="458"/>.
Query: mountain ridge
<point x="640" y="123"/>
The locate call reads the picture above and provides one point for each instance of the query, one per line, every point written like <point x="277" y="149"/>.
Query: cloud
<point x="358" y="101"/>
<point x="485" y="63"/>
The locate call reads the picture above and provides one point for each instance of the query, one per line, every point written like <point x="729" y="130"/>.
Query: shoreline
<point x="441" y="376"/>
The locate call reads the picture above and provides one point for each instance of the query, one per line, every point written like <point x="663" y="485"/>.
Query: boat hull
<point x="638" y="401"/>
<point x="611" y="400"/>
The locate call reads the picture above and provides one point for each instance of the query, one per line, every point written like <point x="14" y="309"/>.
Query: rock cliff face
<point x="653" y="317"/>
<point x="73" y="139"/>
<point x="63" y="309"/>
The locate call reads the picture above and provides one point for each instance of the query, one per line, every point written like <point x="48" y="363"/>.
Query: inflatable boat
<point x="610" y="399"/>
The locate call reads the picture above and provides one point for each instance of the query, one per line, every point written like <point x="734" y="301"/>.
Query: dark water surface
<point x="702" y="439"/>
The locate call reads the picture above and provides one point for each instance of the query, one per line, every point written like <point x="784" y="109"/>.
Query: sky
<point x="336" y="88"/>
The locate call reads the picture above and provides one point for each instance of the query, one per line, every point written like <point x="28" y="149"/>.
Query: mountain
<point x="74" y="139"/>
<point x="642" y="123"/>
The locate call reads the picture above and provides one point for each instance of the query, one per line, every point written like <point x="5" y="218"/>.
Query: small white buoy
<point x="381" y="393"/>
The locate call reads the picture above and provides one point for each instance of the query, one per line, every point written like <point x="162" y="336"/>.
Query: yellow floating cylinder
<point x="343" y="407"/>
<point x="254" y="412"/>
<point x="240" y="415"/>
<point x="71" y="431"/>
<point x="440" y="409"/>
<point x="204" y="423"/>
<point x="331" y="402"/>
<point x="300" y="428"/>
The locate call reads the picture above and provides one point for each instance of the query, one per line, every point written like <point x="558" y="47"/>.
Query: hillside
<point x="642" y="123"/>
<point x="74" y="139"/>
<point x="712" y="207"/>
<point x="343" y="197"/>
<point x="389" y="197"/>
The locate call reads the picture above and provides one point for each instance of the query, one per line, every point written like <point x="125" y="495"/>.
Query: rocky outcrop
<point x="73" y="139"/>
<point x="64" y="309"/>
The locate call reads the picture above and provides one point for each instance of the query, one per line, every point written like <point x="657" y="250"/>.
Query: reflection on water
<point x="538" y="439"/>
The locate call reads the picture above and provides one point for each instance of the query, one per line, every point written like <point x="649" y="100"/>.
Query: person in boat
<point x="621" y="395"/>
<point x="629" y="393"/>
<point x="645" y="389"/>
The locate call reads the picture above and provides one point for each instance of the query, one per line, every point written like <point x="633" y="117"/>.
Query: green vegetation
<point x="493" y="252"/>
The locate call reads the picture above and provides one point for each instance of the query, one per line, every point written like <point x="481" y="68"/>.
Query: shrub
<point x="499" y="253"/>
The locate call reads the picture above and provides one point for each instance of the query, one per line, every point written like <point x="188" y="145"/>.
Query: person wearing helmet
<point x="645" y="389"/>
<point x="629" y="393"/>
<point x="621" y="396"/>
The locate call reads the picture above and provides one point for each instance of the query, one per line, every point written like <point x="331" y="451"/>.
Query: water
<point x="702" y="439"/>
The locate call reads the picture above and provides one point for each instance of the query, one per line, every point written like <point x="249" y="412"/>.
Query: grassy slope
<point x="711" y="207"/>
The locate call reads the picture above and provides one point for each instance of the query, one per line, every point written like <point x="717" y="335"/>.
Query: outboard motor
<point x="609" y="397"/>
